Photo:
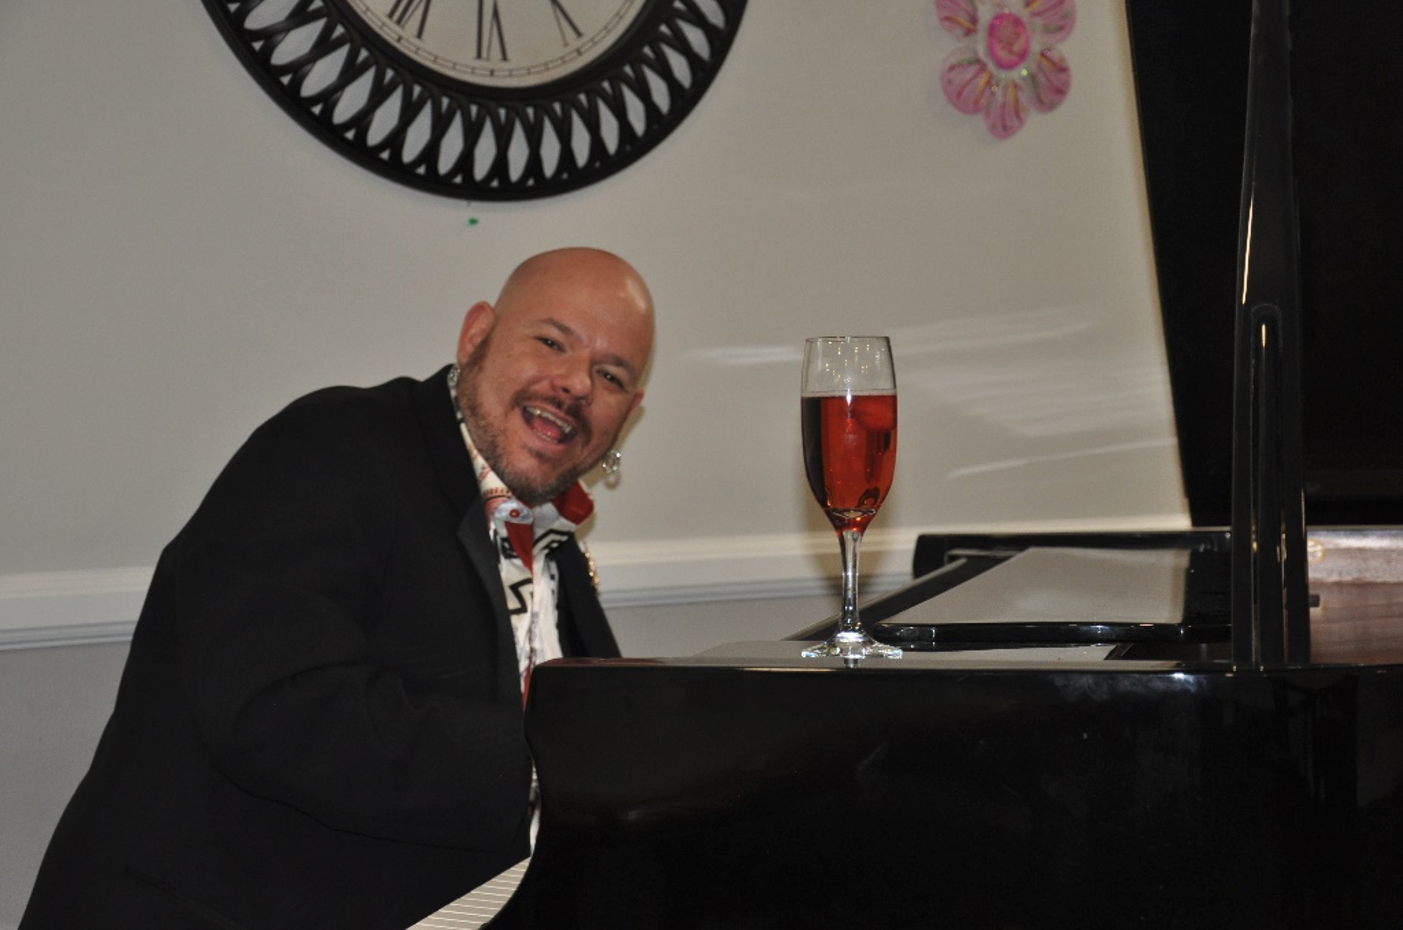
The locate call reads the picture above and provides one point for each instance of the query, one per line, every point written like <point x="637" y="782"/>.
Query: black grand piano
<point x="1163" y="729"/>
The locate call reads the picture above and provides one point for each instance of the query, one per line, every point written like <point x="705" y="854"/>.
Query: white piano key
<point x="476" y="907"/>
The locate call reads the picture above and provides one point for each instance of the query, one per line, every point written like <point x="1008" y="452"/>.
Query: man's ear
<point x="477" y="323"/>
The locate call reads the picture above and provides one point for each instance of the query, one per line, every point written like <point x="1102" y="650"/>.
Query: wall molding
<point x="102" y="605"/>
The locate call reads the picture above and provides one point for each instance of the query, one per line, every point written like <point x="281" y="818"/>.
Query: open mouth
<point x="548" y="424"/>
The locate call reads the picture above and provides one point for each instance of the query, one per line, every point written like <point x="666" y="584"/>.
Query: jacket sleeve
<point x="289" y="594"/>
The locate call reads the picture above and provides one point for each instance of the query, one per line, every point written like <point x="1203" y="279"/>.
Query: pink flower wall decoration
<point x="1008" y="60"/>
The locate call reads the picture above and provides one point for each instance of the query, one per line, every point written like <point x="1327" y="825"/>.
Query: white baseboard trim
<point x="102" y="605"/>
<point x="70" y="607"/>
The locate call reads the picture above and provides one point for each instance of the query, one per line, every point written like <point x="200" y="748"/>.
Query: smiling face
<point x="553" y="371"/>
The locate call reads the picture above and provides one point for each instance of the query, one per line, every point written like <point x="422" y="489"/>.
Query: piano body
<point x="1099" y="730"/>
<point x="1139" y="780"/>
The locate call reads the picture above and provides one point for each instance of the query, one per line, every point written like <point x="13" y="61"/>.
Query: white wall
<point x="178" y="259"/>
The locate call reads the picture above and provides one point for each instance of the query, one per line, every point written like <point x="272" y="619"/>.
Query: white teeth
<point x="544" y="414"/>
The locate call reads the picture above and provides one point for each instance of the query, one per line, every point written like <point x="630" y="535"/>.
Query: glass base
<point x="850" y="647"/>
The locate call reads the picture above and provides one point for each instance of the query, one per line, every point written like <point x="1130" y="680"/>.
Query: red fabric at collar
<point x="575" y="504"/>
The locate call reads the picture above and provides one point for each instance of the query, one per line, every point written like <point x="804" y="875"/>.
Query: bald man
<point x="320" y="721"/>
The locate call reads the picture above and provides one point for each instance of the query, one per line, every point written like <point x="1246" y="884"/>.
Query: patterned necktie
<point x="524" y="539"/>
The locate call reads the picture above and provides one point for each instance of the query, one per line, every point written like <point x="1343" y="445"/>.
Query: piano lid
<point x="1190" y="61"/>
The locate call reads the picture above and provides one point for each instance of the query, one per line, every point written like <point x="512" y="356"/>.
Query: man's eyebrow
<point x="571" y="334"/>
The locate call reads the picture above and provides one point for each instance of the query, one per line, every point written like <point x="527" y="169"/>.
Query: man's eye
<point x="612" y="378"/>
<point x="549" y="343"/>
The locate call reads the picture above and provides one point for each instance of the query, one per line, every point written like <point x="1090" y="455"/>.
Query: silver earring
<point x="454" y="374"/>
<point x="612" y="462"/>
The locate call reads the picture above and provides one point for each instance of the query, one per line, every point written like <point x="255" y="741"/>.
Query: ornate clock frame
<point x="343" y="69"/>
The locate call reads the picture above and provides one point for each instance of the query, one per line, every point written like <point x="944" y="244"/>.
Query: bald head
<point x="554" y="369"/>
<point x="580" y="268"/>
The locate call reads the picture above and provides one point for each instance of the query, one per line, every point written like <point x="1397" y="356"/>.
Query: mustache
<point x="571" y="411"/>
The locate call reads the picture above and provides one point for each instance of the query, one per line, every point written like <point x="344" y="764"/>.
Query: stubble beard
<point x="491" y="440"/>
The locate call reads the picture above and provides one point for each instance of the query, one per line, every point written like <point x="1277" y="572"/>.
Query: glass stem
<point x="848" y="541"/>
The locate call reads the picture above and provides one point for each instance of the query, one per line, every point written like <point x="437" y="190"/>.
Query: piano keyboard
<point x="478" y="906"/>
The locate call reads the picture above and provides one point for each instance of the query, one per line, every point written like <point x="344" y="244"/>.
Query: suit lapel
<point x="455" y="473"/>
<point x="581" y="604"/>
<point x="472" y="533"/>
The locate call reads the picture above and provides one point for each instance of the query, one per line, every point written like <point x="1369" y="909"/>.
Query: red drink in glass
<point x="847" y="409"/>
<point x="849" y="454"/>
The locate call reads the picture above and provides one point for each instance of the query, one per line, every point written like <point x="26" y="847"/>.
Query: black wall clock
<point x="485" y="99"/>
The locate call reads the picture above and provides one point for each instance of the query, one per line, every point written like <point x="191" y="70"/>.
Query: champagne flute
<point x="848" y="409"/>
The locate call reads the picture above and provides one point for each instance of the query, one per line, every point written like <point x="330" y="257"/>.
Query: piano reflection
<point x="1163" y="729"/>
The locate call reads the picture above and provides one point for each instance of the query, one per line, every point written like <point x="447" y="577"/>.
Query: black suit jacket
<point x="319" y="723"/>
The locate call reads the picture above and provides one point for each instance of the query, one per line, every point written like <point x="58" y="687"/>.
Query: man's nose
<point x="574" y="378"/>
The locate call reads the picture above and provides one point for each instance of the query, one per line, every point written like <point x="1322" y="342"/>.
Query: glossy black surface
<point x="1270" y="620"/>
<point x="724" y="793"/>
<point x="1191" y="63"/>
<point x="1142" y="784"/>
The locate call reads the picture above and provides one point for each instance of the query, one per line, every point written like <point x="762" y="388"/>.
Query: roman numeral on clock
<point x="489" y="29"/>
<point x="562" y="21"/>
<point x="404" y="10"/>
